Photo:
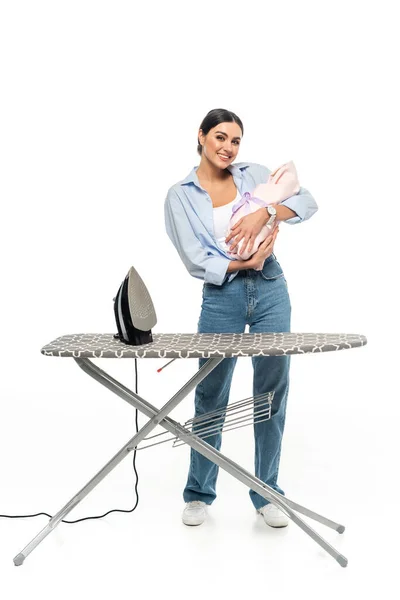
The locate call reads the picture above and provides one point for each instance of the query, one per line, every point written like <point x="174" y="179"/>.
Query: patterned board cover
<point x="202" y="345"/>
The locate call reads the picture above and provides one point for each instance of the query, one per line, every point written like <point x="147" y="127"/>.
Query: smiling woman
<point x="235" y="294"/>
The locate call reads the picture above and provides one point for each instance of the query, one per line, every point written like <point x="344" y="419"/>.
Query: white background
<point x="100" y="108"/>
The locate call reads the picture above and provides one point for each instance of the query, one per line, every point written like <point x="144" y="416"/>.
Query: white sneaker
<point x="195" y="513"/>
<point x="273" y="516"/>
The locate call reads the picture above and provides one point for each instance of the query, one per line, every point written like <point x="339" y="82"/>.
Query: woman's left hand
<point x="247" y="228"/>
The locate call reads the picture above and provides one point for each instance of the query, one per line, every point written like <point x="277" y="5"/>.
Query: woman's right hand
<point x="265" y="249"/>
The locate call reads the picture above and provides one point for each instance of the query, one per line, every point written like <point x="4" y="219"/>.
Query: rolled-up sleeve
<point x="199" y="262"/>
<point x="303" y="204"/>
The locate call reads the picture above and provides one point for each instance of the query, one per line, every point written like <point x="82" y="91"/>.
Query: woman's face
<point x="221" y="144"/>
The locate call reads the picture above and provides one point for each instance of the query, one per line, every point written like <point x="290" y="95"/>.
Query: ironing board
<point x="214" y="347"/>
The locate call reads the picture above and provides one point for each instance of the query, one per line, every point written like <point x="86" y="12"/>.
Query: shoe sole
<point x="192" y="523"/>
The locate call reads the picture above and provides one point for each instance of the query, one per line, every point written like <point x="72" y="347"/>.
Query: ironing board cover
<point x="201" y="345"/>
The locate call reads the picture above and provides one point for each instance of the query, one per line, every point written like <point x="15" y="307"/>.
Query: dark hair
<point x="214" y="118"/>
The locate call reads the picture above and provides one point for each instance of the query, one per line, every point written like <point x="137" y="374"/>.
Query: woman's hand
<point x="265" y="249"/>
<point x="247" y="228"/>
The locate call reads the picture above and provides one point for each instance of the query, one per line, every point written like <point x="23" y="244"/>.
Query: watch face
<point x="272" y="210"/>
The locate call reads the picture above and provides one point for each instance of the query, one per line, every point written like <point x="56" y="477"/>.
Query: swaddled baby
<point x="281" y="184"/>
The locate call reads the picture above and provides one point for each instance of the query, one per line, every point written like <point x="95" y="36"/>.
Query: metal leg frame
<point x="159" y="417"/>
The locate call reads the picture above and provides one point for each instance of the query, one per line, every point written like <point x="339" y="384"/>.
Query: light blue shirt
<point x="188" y="213"/>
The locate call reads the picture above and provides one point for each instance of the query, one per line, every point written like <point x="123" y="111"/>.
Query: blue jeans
<point x="261" y="300"/>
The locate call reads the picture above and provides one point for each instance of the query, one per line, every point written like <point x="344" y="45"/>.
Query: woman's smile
<point x="223" y="157"/>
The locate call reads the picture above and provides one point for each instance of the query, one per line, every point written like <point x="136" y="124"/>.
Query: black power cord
<point x="110" y="511"/>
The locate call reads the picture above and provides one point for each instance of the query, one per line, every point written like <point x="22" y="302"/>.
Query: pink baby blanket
<point x="281" y="184"/>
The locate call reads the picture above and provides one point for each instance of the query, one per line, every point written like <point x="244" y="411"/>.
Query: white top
<point x="222" y="216"/>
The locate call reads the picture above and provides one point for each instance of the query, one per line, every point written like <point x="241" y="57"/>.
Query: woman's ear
<point x="201" y="137"/>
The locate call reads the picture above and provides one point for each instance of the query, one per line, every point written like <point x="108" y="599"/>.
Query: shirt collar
<point x="236" y="171"/>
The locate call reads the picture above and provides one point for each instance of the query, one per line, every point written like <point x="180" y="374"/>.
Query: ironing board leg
<point x="159" y="417"/>
<point x="286" y="505"/>
<point x="156" y="417"/>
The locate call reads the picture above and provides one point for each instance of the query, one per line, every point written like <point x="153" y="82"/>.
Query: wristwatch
<point x="272" y="216"/>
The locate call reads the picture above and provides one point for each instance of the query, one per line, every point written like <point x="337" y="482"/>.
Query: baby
<point x="281" y="184"/>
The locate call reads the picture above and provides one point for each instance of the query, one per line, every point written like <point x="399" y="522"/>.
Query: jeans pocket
<point x="210" y="290"/>
<point x="271" y="269"/>
<point x="208" y="286"/>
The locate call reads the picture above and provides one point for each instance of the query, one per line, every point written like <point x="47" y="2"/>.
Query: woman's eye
<point x="219" y="137"/>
